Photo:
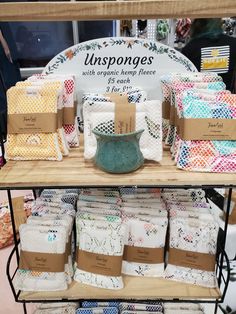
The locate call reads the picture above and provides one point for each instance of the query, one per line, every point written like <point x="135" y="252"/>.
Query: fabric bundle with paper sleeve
<point x="216" y="153"/>
<point x="100" y="115"/>
<point x="100" y="237"/>
<point x="70" y="124"/>
<point x="43" y="102"/>
<point x="166" y="81"/>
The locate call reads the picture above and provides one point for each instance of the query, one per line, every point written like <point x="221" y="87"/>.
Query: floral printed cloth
<point x="192" y="235"/>
<point x="147" y="232"/>
<point x="100" y="237"/>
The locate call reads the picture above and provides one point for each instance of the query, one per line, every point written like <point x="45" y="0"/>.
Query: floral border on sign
<point x="94" y="45"/>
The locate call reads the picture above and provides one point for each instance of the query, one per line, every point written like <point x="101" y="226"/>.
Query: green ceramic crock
<point x="118" y="153"/>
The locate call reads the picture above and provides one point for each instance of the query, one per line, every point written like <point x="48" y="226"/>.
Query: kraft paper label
<point x="125" y="114"/>
<point x="19" y="212"/>
<point x="143" y="255"/>
<point x="190" y="259"/>
<point x="99" y="263"/>
<point x="166" y="110"/>
<point x="69" y="115"/>
<point x="42" y="262"/>
<point x="34" y="123"/>
<point x="173" y="115"/>
<point x="207" y="129"/>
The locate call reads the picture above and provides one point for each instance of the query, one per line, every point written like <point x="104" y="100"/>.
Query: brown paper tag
<point x="42" y="262"/>
<point x="190" y="259"/>
<point x="143" y="255"/>
<point x="125" y="114"/>
<point x="60" y="114"/>
<point x="166" y="110"/>
<point x="69" y="115"/>
<point x="68" y="247"/>
<point x="207" y="129"/>
<point x="32" y="123"/>
<point x="19" y="212"/>
<point x="99" y="263"/>
<point x="172" y="115"/>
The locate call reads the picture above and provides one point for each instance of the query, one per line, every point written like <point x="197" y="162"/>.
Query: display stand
<point x="73" y="171"/>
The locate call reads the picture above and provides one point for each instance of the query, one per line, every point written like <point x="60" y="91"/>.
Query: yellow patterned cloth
<point x="63" y="145"/>
<point x="33" y="99"/>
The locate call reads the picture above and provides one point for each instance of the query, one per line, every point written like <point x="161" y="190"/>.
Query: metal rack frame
<point x="221" y="257"/>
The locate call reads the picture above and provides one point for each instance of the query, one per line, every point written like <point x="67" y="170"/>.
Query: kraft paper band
<point x="207" y="129"/>
<point x="172" y="115"/>
<point x="99" y="263"/>
<point x="125" y="113"/>
<point x="42" y="262"/>
<point x="166" y="110"/>
<point x="60" y="114"/>
<point x="68" y="247"/>
<point x="33" y="123"/>
<point x="19" y="212"/>
<point x="190" y="259"/>
<point x="69" y="115"/>
<point x="143" y="255"/>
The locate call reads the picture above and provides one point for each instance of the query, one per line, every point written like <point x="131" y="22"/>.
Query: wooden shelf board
<point x="134" y="288"/>
<point x="108" y="10"/>
<point x="75" y="171"/>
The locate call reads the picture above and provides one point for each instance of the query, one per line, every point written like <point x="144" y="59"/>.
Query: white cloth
<point x="101" y="115"/>
<point x="193" y="235"/>
<point x="42" y="239"/>
<point x="147" y="232"/>
<point x="100" y="237"/>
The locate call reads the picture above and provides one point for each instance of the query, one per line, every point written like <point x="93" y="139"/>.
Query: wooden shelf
<point x="75" y="171"/>
<point x="135" y="288"/>
<point x="108" y="10"/>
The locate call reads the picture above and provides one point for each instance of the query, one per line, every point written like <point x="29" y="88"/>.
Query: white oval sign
<point x="117" y="64"/>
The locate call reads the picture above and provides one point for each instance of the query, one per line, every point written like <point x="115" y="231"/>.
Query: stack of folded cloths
<point x="207" y="155"/>
<point x="145" y="218"/>
<point x="193" y="94"/>
<point x="70" y="125"/>
<point x="30" y="103"/>
<point x="34" y="100"/>
<point x="114" y="307"/>
<point x="192" y="238"/>
<point x="98" y="307"/>
<point x="183" y="308"/>
<point x="46" y="257"/>
<point x="191" y="79"/>
<point x="56" y="308"/>
<point x="100" y="239"/>
<point x="99" y="114"/>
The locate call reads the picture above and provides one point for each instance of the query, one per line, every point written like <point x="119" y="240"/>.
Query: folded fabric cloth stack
<point x="30" y="103"/>
<point x="99" y="114"/>
<point x="33" y="100"/>
<point x="193" y="235"/>
<point x="70" y="124"/>
<point x="56" y="308"/>
<point x="207" y="155"/>
<point x="46" y="249"/>
<point x="145" y="218"/>
<point x="129" y="307"/>
<point x="195" y="95"/>
<point x="100" y="239"/>
<point x="166" y="83"/>
<point x="183" y="308"/>
<point x="113" y="307"/>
